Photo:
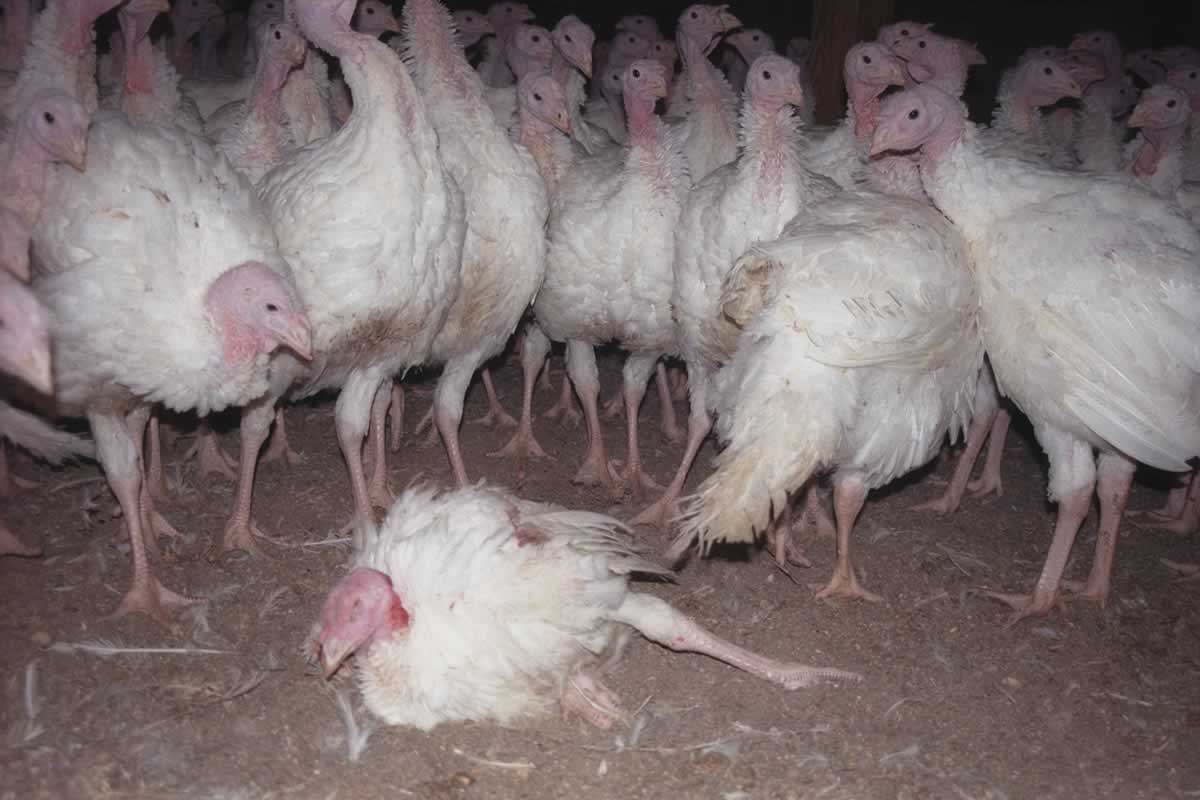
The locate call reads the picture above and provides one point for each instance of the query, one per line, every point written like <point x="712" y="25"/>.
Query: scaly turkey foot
<point x="1187" y="572"/>
<point x="659" y="514"/>
<point x="1081" y="590"/>
<point x="240" y="536"/>
<point x="10" y="545"/>
<point x="615" y="407"/>
<point x="595" y="471"/>
<point x="781" y="540"/>
<point x="671" y="431"/>
<point x="523" y="445"/>
<point x="679" y="384"/>
<point x="211" y="459"/>
<point x="154" y="600"/>
<point x="845" y="584"/>
<point x="565" y="407"/>
<point x="984" y="485"/>
<point x="1182" y="526"/>
<point x="585" y="695"/>
<point x="279" y="449"/>
<point x="496" y="415"/>
<point x="1025" y="605"/>
<point x="635" y="479"/>
<point x="427" y="422"/>
<point x="945" y="504"/>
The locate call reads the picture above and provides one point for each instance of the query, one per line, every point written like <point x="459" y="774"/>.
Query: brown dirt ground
<point x="1080" y="704"/>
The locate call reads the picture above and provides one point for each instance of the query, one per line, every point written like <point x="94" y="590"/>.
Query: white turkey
<point x="738" y="205"/>
<point x="188" y="18"/>
<point x="703" y="97"/>
<point x="1187" y="78"/>
<point x="479" y="605"/>
<point x="894" y="32"/>
<point x="530" y="49"/>
<point x="1145" y="66"/>
<point x="1113" y="364"/>
<point x="858" y="353"/>
<point x="164" y="285"/>
<point x="608" y="270"/>
<point x="148" y="86"/>
<point x="938" y="60"/>
<point x="398" y="262"/>
<point x="503" y="18"/>
<point x="741" y="48"/>
<point x="504" y="253"/>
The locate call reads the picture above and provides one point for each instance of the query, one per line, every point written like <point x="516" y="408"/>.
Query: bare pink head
<point x="773" y="82"/>
<point x="282" y="44"/>
<point x="531" y="49"/>
<point x="188" y="17"/>
<point x="574" y="39"/>
<point x="666" y="53"/>
<point x="611" y="85"/>
<point x="627" y="47"/>
<point x="1177" y="56"/>
<point x="323" y="21"/>
<point x="1188" y="79"/>
<point x="361" y="609"/>
<point x="136" y="17"/>
<point x="645" y="80"/>
<point x="1085" y="67"/>
<point x="256" y="313"/>
<point x="894" y="32"/>
<point x="702" y="24"/>
<point x="57" y="125"/>
<point x="923" y="117"/>
<point x="641" y="24"/>
<point x="943" y="60"/>
<point x="1042" y="51"/>
<point x="1146" y="66"/>
<point x="872" y="66"/>
<point x="503" y="16"/>
<point x="24" y="332"/>
<point x="751" y="43"/>
<point x="374" y="18"/>
<point x="471" y="26"/>
<point x="1104" y="44"/>
<point x="1161" y="106"/>
<point x="542" y="98"/>
<point x="1042" y="81"/>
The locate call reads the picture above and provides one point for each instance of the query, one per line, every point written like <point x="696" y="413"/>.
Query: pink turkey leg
<point x="666" y="404"/>
<point x="666" y="507"/>
<point x="211" y="459"/>
<point x="849" y="495"/>
<point x="1113" y="482"/>
<point x="396" y="416"/>
<point x="523" y="443"/>
<point x="977" y="434"/>
<point x="279" y="447"/>
<point x="10" y="545"/>
<point x="659" y="622"/>
<point x="496" y="413"/>
<point x="565" y="407"/>
<point x="989" y="479"/>
<point x="10" y="484"/>
<point x="380" y="492"/>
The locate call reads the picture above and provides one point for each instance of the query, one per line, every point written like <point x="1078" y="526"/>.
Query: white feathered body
<point x="709" y="129"/>
<point x="47" y="66"/>
<point x="498" y="616"/>
<point x="859" y="352"/>
<point x="125" y="253"/>
<point x="611" y="237"/>
<point x="40" y="438"/>
<point x="1089" y="304"/>
<point x="362" y="232"/>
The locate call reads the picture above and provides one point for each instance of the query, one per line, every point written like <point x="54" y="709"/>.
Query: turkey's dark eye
<point x="1095" y="40"/>
<point x="695" y="15"/>
<point x="537" y="97"/>
<point x="658" y="48"/>
<point x="1170" y="104"/>
<point x="536" y="38"/>
<point x="921" y="44"/>
<point x="567" y="37"/>
<point x="632" y="40"/>
<point x="1192" y="75"/>
<point x="370" y="11"/>
<point x="637" y="73"/>
<point x="766" y="75"/>
<point x="754" y="38"/>
<point x="904" y="31"/>
<point x="508" y="9"/>
<point x="272" y="307"/>
<point x="1048" y="71"/>
<point x="48" y="117"/>
<point x="866" y="59"/>
<point x="914" y="114"/>
<point x="270" y="6"/>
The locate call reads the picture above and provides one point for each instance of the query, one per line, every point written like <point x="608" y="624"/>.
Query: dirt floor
<point x="1083" y="703"/>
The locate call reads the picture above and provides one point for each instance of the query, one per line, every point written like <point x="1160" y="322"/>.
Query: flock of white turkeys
<point x="211" y="219"/>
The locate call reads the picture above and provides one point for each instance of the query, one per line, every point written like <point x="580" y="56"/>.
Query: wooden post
<point x="838" y="25"/>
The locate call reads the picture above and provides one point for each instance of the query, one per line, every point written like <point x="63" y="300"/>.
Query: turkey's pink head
<point x="644" y="79"/>
<point x="471" y="26"/>
<point x="574" y="38"/>
<point x="24" y="334"/>
<point x="137" y="16"/>
<point x="751" y="43"/>
<point x="1044" y="81"/>
<point x="532" y="49"/>
<point x="1145" y="66"/>
<point x="666" y="53"/>
<point x="1187" y="79"/>
<point x="933" y="57"/>
<point x="894" y="32"/>
<point x="1178" y="56"/>
<point x="702" y="24"/>
<point x="774" y="82"/>
<point x="611" y="84"/>
<point x="543" y="98"/>
<point x="1161" y="106"/>
<point x="1102" y="43"/>
<point x="58" y="124"/>
<point x="503" y="16"/>
<point x="374" y="18"/>
<point x="1086" y="68"/>
<point x="921" y="117"/>
<point x="256" y="313"/>
<point x="282" y="43"/>
<point x="871" y="67"/>
<point x="188" y="17"/>
<point x="361" y="609"/>
<point x="627" y="47"/>
<point x="644" y="26"/>
<point x="1127" y="97"/>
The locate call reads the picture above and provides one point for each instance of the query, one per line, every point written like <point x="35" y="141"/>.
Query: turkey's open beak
<point x="727" y="19"/>
<point x="294" y="333"/>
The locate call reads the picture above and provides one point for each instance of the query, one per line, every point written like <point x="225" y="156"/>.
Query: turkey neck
<point x="644" y="128"/>
<point x="537" y="137"/>
<point x="769" y="131"/>
<point x="697" y="69"/>
<point x="138" y="58"/>
<point x="269" y="77"/>
<point x="862" y="107"/>
<point x="18" y="16"/>
<point x="441" y="63"/>
<point x="25" y="165"/>
<point x="959" y="179"/>
<point x="60" y="53"/>
<point x="1156" y="144"/>
<point x="1017" y="107"/>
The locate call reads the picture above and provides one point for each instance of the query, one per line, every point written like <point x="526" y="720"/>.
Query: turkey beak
<point x="391" y="25"/>
<point x="919" y="72"/>
<point x="585" y="65"/>
<point x="728" y="21"/>
<point x="294" y="333"/>
<point x="883" y="141"/>
<point x="897" y="75"/>
<point x="562" y="121"/>
<point x="658" y="88"/>
<point x="76" y="156"/>
<point x="794" y="96"/>
<point x="35" y="370"/>
<point x="1141" y="117"/>
<point x="1071" y="89"/>
<point x="333" y="653"/>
